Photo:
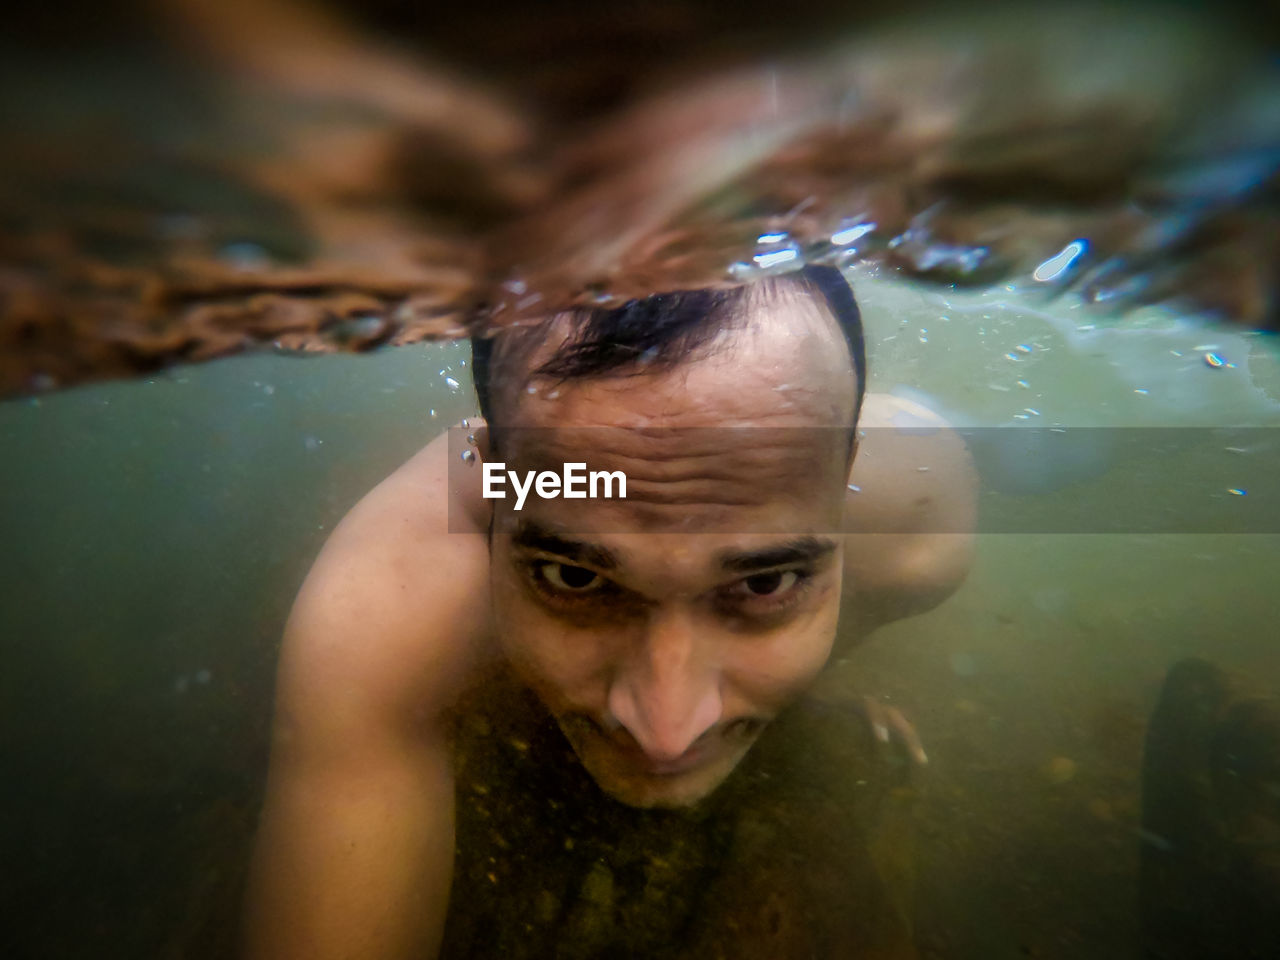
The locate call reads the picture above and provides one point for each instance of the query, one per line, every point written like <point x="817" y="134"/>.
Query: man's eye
<point x="772" y="584"/>
<point x="570" y="579"/>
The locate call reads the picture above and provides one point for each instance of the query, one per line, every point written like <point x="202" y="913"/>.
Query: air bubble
<point x="777" y="253"/>
<point x="1061" y="262"/>
<point x="851" y="231"/>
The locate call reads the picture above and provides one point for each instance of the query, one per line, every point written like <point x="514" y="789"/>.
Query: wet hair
<point x="657" y="332"/>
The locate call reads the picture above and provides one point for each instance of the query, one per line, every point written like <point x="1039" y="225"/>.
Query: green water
<point x="1057" y="644"/>
<point x="155" y="533"/>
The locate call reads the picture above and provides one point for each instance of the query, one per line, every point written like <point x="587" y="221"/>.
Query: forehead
<point x="786" y="480"/>
<point x="751" y="434"/>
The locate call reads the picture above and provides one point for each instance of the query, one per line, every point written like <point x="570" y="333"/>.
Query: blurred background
<point x="184" y="179"/>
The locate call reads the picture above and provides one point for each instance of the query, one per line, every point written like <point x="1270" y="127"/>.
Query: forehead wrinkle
<point x="735" y="481"/>
<point x="744" y="472"/>
<point x="684" y="453"/>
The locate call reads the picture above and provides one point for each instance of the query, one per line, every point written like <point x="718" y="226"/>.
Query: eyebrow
<point x="533" y="536"/>
<point x="800" y="550"/>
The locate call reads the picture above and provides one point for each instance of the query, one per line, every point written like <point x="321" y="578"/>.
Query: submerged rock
<point x="1210" y="882"/>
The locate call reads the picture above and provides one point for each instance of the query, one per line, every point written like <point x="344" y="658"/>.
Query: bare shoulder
<point x="912" y="473"/>
<point x="886" y="410"/>
<point x="355" y="849"/>
<point x="910" y="513"/>
<point x="394" y="614"/>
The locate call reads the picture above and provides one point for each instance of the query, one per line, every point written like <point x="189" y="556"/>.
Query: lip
<point x="693" y="758"/>
<point x="637" y="759"/>
<point x="671" y="768"/>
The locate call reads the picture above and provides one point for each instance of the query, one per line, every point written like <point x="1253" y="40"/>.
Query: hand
<point x="888" y="724"/>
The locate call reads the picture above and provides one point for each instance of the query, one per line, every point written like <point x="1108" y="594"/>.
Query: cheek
<point x="781" y="666"/>
<point x="560" y="664"/>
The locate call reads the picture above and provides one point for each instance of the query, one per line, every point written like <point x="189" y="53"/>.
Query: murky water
<point x="203" y="179"/>
<point x="1034" y="683"/>
<point x="156" y="531"/>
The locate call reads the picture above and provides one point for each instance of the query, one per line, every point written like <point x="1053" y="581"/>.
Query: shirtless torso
<point x="393" y="627"/>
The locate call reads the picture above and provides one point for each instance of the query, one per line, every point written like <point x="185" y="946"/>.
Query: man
<point x="662" y="634"/>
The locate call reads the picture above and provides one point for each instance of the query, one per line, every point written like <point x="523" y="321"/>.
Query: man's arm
<point x="355" y="848"/>
<point x="911" y="521"/>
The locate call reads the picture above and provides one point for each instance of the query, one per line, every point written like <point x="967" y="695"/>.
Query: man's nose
<point x="666" y="694"/>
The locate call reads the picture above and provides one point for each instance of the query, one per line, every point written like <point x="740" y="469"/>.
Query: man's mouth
<point x="634" y="756"/>
<point x="698" y="755"/>
<point x="687" y="761"/>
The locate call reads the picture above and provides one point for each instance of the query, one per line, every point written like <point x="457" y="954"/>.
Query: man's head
<point x="664" y="631"/>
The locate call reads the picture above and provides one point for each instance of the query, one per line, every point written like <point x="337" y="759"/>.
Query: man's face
<point x="666" y="630"/>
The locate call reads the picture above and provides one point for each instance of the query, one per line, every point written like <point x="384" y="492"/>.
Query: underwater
<point x="280" y="280"/>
